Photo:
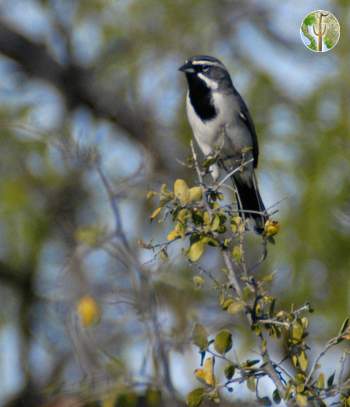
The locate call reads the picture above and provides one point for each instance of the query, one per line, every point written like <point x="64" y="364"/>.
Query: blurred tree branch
<point x="78" y="86"/>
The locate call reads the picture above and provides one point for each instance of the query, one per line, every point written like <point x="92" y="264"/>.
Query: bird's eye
<point x="205" y="68"/>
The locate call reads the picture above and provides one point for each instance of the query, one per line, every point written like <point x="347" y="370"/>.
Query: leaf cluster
<point x="199" y="215"/>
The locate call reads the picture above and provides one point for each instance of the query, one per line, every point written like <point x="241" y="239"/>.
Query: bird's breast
<point x="208" y="133"/>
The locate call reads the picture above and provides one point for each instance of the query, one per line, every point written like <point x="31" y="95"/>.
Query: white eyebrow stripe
<point x="204" y="62"/>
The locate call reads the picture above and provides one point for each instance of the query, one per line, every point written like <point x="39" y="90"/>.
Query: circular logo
<point x="320" y="31"/>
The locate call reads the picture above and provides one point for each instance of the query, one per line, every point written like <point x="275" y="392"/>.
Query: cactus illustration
<point x="309" y="21"/>
<point x="320" y="29"/>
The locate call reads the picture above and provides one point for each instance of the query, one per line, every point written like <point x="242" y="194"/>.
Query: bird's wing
<point x="246" y="118"/>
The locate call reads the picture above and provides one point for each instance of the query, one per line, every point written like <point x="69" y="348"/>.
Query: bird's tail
<point x="250" y="203"/>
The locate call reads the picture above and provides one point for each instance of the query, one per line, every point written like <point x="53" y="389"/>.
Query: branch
<point x="332" y="342"/>
<point x="228" y="175"/>
<point x="234" y="282"/>
<point x="78" y="86"/>
<point x="143" y="287"/>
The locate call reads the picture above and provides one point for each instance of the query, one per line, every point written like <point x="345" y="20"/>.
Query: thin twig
<point x="332" y="342"/>
<point x="273" y="322"/>
<point x="231" y="273"/>
<point x="113" y="202"/>
<point x="229" y="175"/>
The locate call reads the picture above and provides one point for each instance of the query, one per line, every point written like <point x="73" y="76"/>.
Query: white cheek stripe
<point x="210" y="83"/>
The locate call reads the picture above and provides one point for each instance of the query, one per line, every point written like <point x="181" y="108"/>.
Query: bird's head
<point x="205" y="68"/>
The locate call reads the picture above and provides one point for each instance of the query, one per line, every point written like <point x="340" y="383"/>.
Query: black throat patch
<point x="200" y="97"/>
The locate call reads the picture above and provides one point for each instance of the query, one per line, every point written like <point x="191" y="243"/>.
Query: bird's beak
<point x="187" y="67"/>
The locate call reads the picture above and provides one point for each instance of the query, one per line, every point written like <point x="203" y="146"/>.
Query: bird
<point x="222" y="126"/>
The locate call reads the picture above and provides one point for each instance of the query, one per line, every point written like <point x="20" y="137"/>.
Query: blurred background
<point x="84" y="74"/>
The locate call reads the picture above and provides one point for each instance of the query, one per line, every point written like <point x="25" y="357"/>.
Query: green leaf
<point x="237" y="254"/>
<point x="198" y="281"/>
<point x="301" y="400"/>
<point x="237" y="225"/>
<point x="195" y="194"/>
<point x="223" y="342"/>
<point x="178" y="231"/>
<point x="215" y="224"/>
<point x="183" y="215"/>
<point x="209" y="161"/>
<point x="196" y="251"/>
<point x="226" y="303"/>
<point x="165" y="195"/>
<point x="235" y="307"/>
<point x="200" y="337"/>
<point x="303" y="362"/>
<point x="320" y="383"/>
<point x="297" y="331"/>
<point x="276" y="397"/>
<point x="195" y="397"/>
<point x="229" y="371"/>
<point x="330" y="380"/>
<point x="155" y="213"/>
<point x="181" y="191"/>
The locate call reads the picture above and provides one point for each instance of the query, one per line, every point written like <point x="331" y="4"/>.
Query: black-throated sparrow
<point x="221" y="122"/>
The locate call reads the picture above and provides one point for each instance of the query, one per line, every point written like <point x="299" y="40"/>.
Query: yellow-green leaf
<point x="235" y="307"/>
<point x="177" y="232"/>
<point x="320" y="383"/>
<point x="304" y="322"/>
<point x="88" y="311"/>
<point x="150" y="194"/>
<point x="206" y="374"/>
<point x="89" y="235"/>
<point x="165" y="195"/>
<point x="301" y="400"/>
<point x="196" y="251"/>
<point x="303" y="362"/>
<point x="195" y="397"/>
<point x="200" y="337"/>
<point x="182" y="191"/>
<point x="237" y="253"/>
<point x="226" y="303"/>
<point x="223" y="341"/>
<point x="229" y="371"/>
<point x="198" y="281"/>
<point x="206" y="218"/>
<point x="237" y="224"/>
<point x="271" y="228"/>
<point x="155" y="213"/>
<point x="268" y="278"/>
<point x="297" y="331"/>
<point x="276" y="396"/>
<point x="215" y="224"/>
<point x="183" y="215"/>
<point x="195" y="194"/>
